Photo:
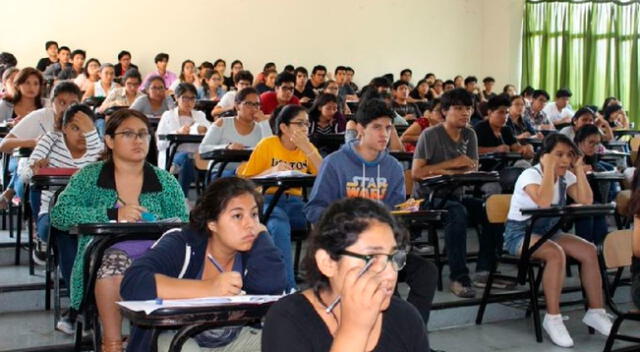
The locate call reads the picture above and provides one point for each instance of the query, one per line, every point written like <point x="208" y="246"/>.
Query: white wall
<point x="447" y="37"/>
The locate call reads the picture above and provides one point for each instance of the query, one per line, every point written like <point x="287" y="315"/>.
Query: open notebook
<point x="287" y="173"/>
<point x="153" y="305"/>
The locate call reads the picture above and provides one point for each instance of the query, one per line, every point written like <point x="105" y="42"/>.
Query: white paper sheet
<point x="152" y="305"/>
<point x="287" y="173"/>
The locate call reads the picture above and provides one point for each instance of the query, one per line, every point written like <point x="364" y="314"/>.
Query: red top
<point x="423" y="122"/>
<point x="269" y="102"/>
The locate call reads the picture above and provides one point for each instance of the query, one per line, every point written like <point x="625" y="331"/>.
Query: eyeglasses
<point x="287" y="88"/>
<point x="251" y="104"/>
<point x="398" y="258"/>
<point x="130" y="135"/>
<point x="156" y="88"/>
<point x="188" y="98"/>
<point x="300" y="123"/>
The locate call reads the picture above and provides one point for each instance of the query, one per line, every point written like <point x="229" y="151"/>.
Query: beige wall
<point x="446" y="37"/>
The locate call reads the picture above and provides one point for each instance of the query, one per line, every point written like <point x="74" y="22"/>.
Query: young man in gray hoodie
<point x="363" y="168"/>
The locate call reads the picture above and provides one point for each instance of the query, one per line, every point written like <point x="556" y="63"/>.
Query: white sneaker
<point x="599" y="320"/>
<point x="554" y="326"/>
<point x="66" y="326"/>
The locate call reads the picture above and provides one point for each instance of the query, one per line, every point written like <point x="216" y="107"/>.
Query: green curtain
<point x="591" y="47"/>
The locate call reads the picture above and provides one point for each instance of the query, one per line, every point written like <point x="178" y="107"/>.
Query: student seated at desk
<point x="325" y="117"/>
<point x="534" y="112"/>
<point x="494" y="136"/>
<point x="586" y="116"/>
<point x="449" y="148"/>
<point x="241" y="80"/>
<point x="89" y="75"/>
<point x="211" y="86"/>
<point x="187" y="75"/>
<point x="155" y="102"/>
<point x="269" y="83"/>
<point x="616" y="116"/>
<point x="363" y="168"/>
<point x="522" y="127"/>
<point x="290" y="149"/>
<point x="243" y="131"/>
<point x="560" y="111"/>
<point x="183" y="119"/>
<point x="587" y="139"/>
<point x="28" y="84"/>
<point x="409" y="111"/>
<point x="561" y="172"/>
<point x="27" y="132"/>
<point x="282" y="95"/>
<point x="352" y="234"/>
<point x="229" y="252"/>
<point x="126" y="95"/>
<point x="74" y="144"/>
<point x="122" y="188"/>
<point x="432" y="117"/>
<point x="105" y="85"/>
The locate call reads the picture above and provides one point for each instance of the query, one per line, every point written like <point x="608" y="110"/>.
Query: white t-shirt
<point x="552" y="112"/>
<point x="228" y="99"/>
<point x="521" y="200"/>
<point x="35" y="124"/>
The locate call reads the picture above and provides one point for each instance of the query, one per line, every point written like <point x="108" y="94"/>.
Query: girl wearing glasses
<point x="353" y="259"/>
<point x="289" y="150"/>
<point x="155" y="102"/>
<point x="123" y="188"/>
<point x="183" y="119"/>
<point x="242" y="131"/>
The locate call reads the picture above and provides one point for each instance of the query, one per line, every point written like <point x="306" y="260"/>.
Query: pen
<point x="337" y="300"/>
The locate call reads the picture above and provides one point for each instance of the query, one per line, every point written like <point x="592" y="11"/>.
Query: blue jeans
<point x="187" y="171"/>
<point x="286" y="215"/>
<point x="455" y="236"/>
<point x="15" y="183"/>
<point x="66" y="245"/>
<point x="100" y="126"/>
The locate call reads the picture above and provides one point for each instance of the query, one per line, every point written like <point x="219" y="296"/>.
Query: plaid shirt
<point x="536" y="119"/>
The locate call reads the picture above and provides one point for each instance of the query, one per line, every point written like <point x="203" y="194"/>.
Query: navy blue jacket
<point x="180" y="253"/>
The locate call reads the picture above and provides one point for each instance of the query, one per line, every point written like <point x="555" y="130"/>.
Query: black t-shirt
<point x="292" y="324"/>
<point x="228" y="81"/>
<point x="43" y="63"/>
<point x="486" y="138"/>
<point x="262" y="88"/>
<point x="307" y="92"/>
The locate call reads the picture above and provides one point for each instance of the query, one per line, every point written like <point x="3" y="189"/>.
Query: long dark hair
<point x="340" y="227"/>
<point x="322" y="100"/>
<point x="549" y="143"/>
<point x="184" y="63"/>
<point x="216" y="198"/>
<point x="22" y="77"/>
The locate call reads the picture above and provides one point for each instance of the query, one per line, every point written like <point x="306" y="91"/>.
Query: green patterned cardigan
<point x="90" y="197"/>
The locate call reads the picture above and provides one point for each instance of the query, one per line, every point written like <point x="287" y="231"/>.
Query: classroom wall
<point x="374" y="36"/>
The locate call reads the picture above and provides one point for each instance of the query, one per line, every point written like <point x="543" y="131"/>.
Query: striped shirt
<point x="52" y="146"/>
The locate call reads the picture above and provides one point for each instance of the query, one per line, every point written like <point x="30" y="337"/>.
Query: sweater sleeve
<point x="212" y="140"/>
<point x="165" y="257"/>
<point x="174" y="204"/>
<point x="264" y="268"/>
<point x="323" y="193"/>
<point x="75" y="204"/>
<point x="41" y="151"/>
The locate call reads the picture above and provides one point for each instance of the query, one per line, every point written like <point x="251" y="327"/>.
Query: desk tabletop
<point x="287" y="181"/>
<point x="227" y="154"/>
<point x="619" y="133"/>
<point x="501" y="156"/>
<point x="181" y="138"/>
<point x="530" y="140"/>
<point x="116" y="228"/>
<point x="605" y="176"/>
<point x="464" y="178"/>
<point x="46" y="181"/>
<point x="570" y="210"/>
<point x="419" y="216"/>
<point x="179" y="316"/>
